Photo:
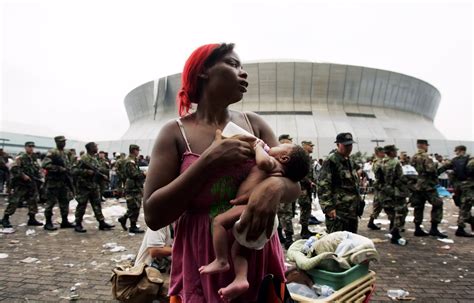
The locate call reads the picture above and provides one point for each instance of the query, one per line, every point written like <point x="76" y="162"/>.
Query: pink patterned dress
<point x="193" y="247"/>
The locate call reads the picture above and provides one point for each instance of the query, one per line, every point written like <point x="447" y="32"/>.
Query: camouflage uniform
<point x="285" y="216"/>
<point x="377" y="204"/>
<point x="119" y="170"/>
<point x="424" y="190"/>
<point x="104" y="167"/>
<point x="24" y="190"/>
<point x="394" y="192"/>
<point x="338" y="188"/>
<point x="58" y="183"/>
<point x="306" y="198"/>
<point x="87" y="188"/>
<point x="464" y="186"/>
<point x="133" y="189"/>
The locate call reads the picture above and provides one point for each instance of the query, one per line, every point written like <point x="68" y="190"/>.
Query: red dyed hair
<point x="189" y="92"/>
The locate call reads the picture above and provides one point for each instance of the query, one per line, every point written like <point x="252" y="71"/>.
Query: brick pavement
<point x="66" y="258"/>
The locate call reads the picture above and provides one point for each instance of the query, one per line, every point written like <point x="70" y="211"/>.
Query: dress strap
<point x="181" y="128"/>
<point x="248" y="123"/>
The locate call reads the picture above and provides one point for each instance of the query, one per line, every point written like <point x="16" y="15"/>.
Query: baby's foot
<point x="214" y="267"/>
<point x="234" y="289"/>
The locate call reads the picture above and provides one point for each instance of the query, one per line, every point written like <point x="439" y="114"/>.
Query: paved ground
<point x="66" y="259"/>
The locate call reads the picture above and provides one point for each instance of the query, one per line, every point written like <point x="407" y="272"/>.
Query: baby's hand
<point x="259" y="143"/>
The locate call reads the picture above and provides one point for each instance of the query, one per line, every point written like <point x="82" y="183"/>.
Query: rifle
<point x="95" y="169"/>
<point x="66" y="175"/>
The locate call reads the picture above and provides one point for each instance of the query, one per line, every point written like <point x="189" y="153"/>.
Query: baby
<point x="286" y="160"/>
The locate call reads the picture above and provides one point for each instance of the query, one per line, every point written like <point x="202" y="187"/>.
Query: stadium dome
<point x="310" y="101"/>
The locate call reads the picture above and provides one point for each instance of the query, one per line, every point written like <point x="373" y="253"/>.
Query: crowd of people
<point x="57" y="177"/>
<point x="196" y="180"/>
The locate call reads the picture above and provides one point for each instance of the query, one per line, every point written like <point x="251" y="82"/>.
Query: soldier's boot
<point x="123" y="221"/>
<point x="280" y="235"/>
<point x="288" y="239"/>
<point x="33" y="222"/>
<point x="397" y="238"/>
<point x="419" y="232"/>
<point x="49" y="225"/>
<point x="6" y="222"/>
<point x="460" y="232"/>
<point x="372" y="225"/>
<point x="435" y="232"/>
<point x="105" y="226"/>
<point x="305" y="233"/>
<point x="134" y="229"/>
<point x="65" y="223"/>
<point x="78" y="227"/>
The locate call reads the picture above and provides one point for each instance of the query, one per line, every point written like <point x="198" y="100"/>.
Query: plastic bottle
<point x="402" y="241"/>
<point x="308" y="245"/>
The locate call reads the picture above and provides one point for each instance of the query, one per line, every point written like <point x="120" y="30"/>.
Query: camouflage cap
<point x="460" y="147"/>
<point x="30" y="143"/>
<point x="285" y="137"/>
<point x="379" y="149"/>
<point x="422" y="141"/>
<point x="307" y="143"/>
<point x="101" y="152"/>
<point x="345" y="138"/>
<point x="133" y="147"/>
<point x="390" y="148"/>
<point x="59" y="138"/>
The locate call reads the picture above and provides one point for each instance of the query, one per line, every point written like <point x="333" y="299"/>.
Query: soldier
<point x="26" y="178"/>
<point x="338" y="187"/>
<point x="134" y="179"/>
<point x="306" y="198"/>
<point x="285" y="211"/>
<point x="58" y="183"/>
<point x="89" y="176"/>
<point x="425" y="190"/>
<point x="393" y="192"/>
<point x="104" y="166"/>
<point x="119" y="170"/>
<point x="377" y="205"/>
<point x="463" y="183"/>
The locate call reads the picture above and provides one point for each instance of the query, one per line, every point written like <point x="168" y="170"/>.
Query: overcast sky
<point x="67" y="65"/>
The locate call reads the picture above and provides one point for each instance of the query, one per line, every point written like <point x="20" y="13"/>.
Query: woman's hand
<point x="232" y="150"/>
<point x="262" y="205"/>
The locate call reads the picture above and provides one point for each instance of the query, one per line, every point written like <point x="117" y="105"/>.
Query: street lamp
<point x="377" y="141"/>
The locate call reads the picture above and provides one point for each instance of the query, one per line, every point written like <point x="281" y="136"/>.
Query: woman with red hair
<point x="194" y="173"/>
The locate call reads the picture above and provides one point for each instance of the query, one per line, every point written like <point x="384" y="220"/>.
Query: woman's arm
<point x="167" y="193"/>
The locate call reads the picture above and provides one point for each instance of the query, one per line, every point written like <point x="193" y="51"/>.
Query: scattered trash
<point x="30" y="232"/>
<point x="448" y="241"/>
<point x="114" y="211"/>
<point x="447" y="247"/>
<point x="7" y="230"/>
<point x="382" y="221"/>
<point x="53" y="234"/>
<point x="129" y="257"/>
<point x="131" y="234"/>
<point x="22" y="224"/>
<point x="109" y="245"/>
<point x="397" y="294"/>
<point x="29" y="260"/>
<point x="14" y="241"/>
<point x="445" y="262"/>
<point x="393" y="261"/>
<point x="461" y="277"/>
<point x="3" y="256"/>
<point x="388" y="236"/>
<point x="118" y="249"/>
<point x="453" y="227"/>
<point x="69" y="265"/>
<point x="445" y="281"/>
